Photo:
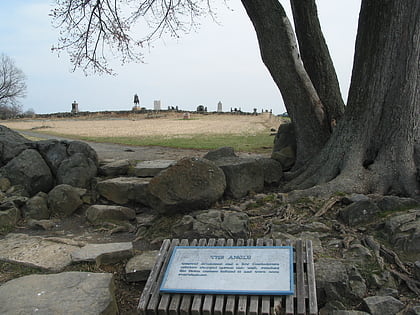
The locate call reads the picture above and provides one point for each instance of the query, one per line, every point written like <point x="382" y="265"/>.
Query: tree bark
<point x="316" y="57"/>
<point x="372" y="149"/>
<point x="280" y="54"/>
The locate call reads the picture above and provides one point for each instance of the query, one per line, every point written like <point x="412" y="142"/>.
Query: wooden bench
<point x="303" y="301"/>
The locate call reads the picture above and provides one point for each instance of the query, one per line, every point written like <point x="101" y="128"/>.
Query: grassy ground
<point x="258" y="143"/>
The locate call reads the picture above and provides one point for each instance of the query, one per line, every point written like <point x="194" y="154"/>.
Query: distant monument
<point x="219" y="107"/>
<point x="136" y="103"/>
<point x="74" y="108"/>
<point x="157" y="105"/>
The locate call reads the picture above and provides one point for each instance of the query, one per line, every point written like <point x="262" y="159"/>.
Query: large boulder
<point x="78" y="170"/>
<point x="11" y="144"/>
<point x="53" y="152"/>
<point x="243" y="175"/>
<point x="84" y="149"/>
<point x="63" y="293"/>
<point x="29" y="170"/>
<point x="190" y="184"/>
<point x="284" y="149"/>
<point x="123" y="190"/>
<point x="63" y="200"/>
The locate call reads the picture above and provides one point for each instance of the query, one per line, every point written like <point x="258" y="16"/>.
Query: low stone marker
<point x="230" y="270"/>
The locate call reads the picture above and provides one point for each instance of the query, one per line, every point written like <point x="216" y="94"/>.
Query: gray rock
<point x="273" y="171"/>
<point x="53" y="151"/>
<point x="417" y="269"/>
<point x="9" y="215"/>
<point x="355" y="198"/>
<point x="78" y="170"/>
<point x="243" y="175"/>
<point x="12" y="144"/>
<point x="42" y="224"/>
<point x="76" y="147"/>
<point x="404" y="230"/>
<point x="4" y="183"/>
<point x="63" y="200"/>
<point x="284" y="148"/>
<point x="332" y="281"/>
<point x="103" y="254"/>
<point x="122" y="190"/>
<point x="150" y="168"/>
<point x="138" y="268"/>
<point x="190" y="184"/>
<point x="286" y="157"/>
<point x="64" y="293"/>
<point x="37" y="207"/>
<point x="383" y="305"/>
<point x="115" y="168"/>
<point x="415" y="310"/>
<point x="212" y="223"/>
<point x="222" y="152"/>
<point x="394" y="203"/>
<point x="99" y="214"/>
<point x="359" y="212"/>
<point x="50" y="254"/>
<point x="29" y="170"/>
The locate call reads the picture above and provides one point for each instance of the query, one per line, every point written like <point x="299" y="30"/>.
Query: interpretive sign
<point x="250" y="270"/>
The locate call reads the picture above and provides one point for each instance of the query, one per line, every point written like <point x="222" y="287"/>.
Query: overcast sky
<point x="217" y="63"/>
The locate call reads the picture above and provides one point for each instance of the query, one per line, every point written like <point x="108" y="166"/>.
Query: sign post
<point x="265" y="270"/>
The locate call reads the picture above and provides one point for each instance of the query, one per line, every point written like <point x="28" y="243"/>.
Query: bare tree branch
<point x="95" y="31"/>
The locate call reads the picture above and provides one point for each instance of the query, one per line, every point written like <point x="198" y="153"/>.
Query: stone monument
<point x="74" y="108"/>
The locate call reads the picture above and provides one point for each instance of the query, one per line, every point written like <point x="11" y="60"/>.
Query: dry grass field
<point x="171" y="125"/>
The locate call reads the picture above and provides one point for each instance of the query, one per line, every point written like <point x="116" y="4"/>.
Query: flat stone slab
<point x="63" y="293"/>
<point x="104" y="253"/>
<point x="36" y="251"/>
<point x="138" y="268"/>
<point x="151" y="168"/>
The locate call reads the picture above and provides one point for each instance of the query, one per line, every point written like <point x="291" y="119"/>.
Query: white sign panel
<point x="230" y="270"/>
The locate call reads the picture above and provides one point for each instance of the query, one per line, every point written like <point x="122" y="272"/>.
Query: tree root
<point x="391" y="257"/>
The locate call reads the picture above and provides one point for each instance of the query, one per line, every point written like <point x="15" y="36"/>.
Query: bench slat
<point x="157" y="301"/>
<point x="151" y="281"/>
<point x="185" y="306"/>
<point x="313" y="304"/>
<point x="300" y="278"/>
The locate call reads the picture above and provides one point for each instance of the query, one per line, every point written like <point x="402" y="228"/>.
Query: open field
<point x="244" y="132"/>
<point x="169" y="126"/>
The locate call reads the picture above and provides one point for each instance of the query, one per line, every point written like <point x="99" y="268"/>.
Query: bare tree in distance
<point x="372" y="149"/>
<point x="12" y="87"/>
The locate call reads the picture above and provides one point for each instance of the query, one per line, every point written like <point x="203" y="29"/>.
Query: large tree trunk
<point x="280" y="54"/>
<point x="316" y="57"/>
<point x="372" y="149"/>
